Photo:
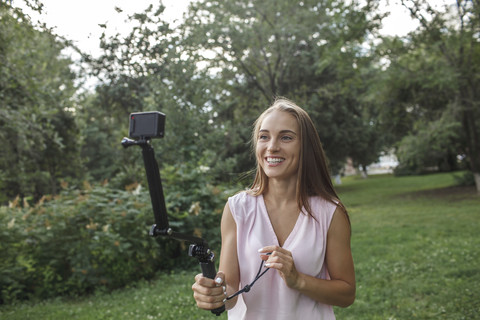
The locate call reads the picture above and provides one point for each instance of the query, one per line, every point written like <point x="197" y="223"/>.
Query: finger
<point x="220" y="282"/>
<point x="274" y="265"/>
<point x="208" y="302"/>
<point x="274" y="251"/>
<point x="204" y="281"/>
<point x="265" y="252"/>
<point x="209" y="305"/>
<point x="219" y="278"/>
<point x="281" y="251"/>
<point x="208" y="294"/>
<point x="268" y="249"/>
<point x="280" y="262"/>
<point x="200" y="278"/>
<point x="265" y="257"/>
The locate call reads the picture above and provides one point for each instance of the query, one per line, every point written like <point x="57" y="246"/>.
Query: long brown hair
<point x="314" y="174"/>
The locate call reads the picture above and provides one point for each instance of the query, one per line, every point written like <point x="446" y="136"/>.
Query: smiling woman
<point x="291" y="218"/>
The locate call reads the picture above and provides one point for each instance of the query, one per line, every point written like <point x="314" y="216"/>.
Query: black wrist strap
<point x="249" y="286"/>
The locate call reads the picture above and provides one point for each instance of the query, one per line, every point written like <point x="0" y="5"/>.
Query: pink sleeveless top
<point x="270" y="298"/>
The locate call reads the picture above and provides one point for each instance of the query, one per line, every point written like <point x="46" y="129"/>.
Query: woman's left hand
<point x="281" y="260"/>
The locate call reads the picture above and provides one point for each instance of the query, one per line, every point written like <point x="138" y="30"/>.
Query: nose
<point x="273" y="145"/>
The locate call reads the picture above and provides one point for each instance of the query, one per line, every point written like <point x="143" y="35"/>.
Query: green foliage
<point x="39" y="135"/>
<point x="311" y="52"/>
<point x="69" y="245"/>
<point x="215" y="72"/>
<point x="432" y="72"/>
<point x="144" y="71"/>
<point x="465" y="179"/>
<point x="195" y="202"/>
<point x="102" y="129"/>
<point x="94" y="238"/>
<point x="434" y="147"/>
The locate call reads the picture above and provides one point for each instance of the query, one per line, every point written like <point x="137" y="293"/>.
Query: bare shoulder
<point x="228" y="222"/>
<point x="340" y="224"/>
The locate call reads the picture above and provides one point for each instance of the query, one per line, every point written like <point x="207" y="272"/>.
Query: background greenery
<point x="215" y="72"/>
<point x="414" y="245"/>
<point x="96" y="237"/>
<point x="74" y="207"/>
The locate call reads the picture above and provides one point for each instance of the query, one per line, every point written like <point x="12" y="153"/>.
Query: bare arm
<point x="340" y="290"/>
<point x="228" y="257"/>
<point x="208" y="294"/>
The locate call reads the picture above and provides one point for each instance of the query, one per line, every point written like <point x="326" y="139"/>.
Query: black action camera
<point x="146" y="125"/>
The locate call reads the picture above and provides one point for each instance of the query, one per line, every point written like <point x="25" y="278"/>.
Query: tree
<point x="39" y="136"/>
<point x="434" y="76"/>
<point x="312" y="52"/>
<point x="144" y="71"/>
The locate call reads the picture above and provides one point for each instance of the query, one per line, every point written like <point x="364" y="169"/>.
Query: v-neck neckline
<point x="292" y="233"/>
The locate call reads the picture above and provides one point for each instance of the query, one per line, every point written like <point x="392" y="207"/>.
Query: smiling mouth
<point x="272" y="160"/>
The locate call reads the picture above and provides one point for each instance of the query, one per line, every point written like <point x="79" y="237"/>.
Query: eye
<point x="287" y="138"/>
<point x="262" y="137"/>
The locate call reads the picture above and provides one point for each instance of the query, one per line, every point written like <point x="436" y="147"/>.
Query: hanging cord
<point x="249" y="286"/>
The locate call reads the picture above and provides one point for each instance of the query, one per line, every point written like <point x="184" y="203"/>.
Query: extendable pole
<point x="155" y="187"/>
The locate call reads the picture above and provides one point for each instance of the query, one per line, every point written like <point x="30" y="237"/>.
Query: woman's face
<point x="278" y="146"/>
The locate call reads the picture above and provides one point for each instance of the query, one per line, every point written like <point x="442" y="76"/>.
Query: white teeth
<point x="274" y="160"/>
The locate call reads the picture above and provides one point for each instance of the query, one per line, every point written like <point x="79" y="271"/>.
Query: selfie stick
<point x="145" y="126"/>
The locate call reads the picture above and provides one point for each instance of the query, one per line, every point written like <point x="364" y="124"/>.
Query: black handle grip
<point x="208" y="270"/>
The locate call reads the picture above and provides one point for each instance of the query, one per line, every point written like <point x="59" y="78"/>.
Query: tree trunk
<point x="476" y="175"/>
<point x="364" y="172"/>
<point x="473" y="144"/>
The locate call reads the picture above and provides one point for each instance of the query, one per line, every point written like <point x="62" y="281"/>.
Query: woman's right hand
<point x="209" y="293"/>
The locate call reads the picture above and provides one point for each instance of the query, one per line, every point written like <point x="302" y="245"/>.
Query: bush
<point x="97" y="237"/>
<point x="433" y="147"/>
<point x="465" y="178"/>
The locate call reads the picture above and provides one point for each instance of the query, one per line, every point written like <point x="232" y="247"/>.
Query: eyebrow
<point x="281" y="131"/>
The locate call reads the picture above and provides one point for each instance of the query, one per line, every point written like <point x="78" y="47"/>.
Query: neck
<point x="281" y="191"/>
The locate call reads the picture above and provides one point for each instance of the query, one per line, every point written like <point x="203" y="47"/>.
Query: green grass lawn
<point x="415" y="244"/>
